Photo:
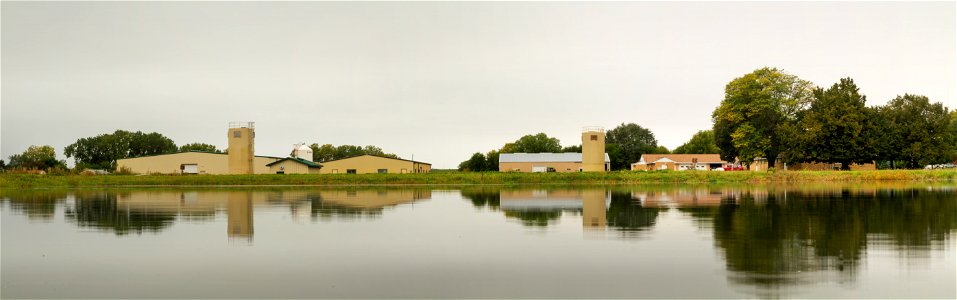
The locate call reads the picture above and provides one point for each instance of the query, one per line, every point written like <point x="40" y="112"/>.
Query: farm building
<point x="294" y="165"/>
<point x="678" y="162"/>
<point x="543" y="162"/>
<point x="239" y="160"/>
<point x="365" y="164"/>
<point x="189" y="163"/>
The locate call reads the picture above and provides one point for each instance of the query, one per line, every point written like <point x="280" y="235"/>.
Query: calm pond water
<point x="810" y="241"/>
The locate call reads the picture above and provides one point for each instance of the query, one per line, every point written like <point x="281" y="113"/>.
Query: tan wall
<point x="207" y="163"/>
<point x="291" y="167"/>
<point x="368" y="164"/>
<point x="527" y="166"/>
<point x="241" y="150"/>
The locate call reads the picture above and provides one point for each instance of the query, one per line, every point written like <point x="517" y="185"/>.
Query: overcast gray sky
<point x="437" y="80"/>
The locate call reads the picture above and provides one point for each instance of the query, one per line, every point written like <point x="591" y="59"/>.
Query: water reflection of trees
<point x="771" y="240"/>
<point x="100" y="210"/>
<point x="36" y="205"/>
<point x="630" y="216"/>
<point x="483" y="197"/>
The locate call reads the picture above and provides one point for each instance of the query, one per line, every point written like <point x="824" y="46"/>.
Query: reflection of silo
<point x="241" y="135"/>
<point x="593" y="149"/>
<point x="239" y="215"/>
<point x="593" y="208"/>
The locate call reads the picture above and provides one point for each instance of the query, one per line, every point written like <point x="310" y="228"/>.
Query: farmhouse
<point x="365" y="164"/>
<point x="543" y="162"/>
<point x="678" y="162"/>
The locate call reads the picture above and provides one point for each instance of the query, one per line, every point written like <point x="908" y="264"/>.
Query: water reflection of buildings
<point x="539" y="207"/>
<point x="599" y="208"/>
<point x="125" y="211"/>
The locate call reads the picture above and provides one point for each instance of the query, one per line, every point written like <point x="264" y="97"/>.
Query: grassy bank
<point x="458" y="178"/>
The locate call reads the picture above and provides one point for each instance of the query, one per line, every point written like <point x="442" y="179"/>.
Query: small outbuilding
<point x="366" y="164"/>
<point x="294" y="165"/>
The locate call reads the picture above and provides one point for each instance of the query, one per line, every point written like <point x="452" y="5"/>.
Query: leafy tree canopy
<point x="572" y="149"/>
<point x="36" y="158"/>
<point x="327" y="152"/>
<point x="199" y="147"/>
<point x="626" y="143"/>
<point x="834" y="126"/>
<point x="701" y="143"/>
<point x="920" y="131"/>
<point x="752" y="119"/>
<point x="538" y="143"/>
<point x="102" y="151"/>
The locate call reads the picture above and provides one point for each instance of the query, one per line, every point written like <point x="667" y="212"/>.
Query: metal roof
<point x="311" y="164"/>
<point x="543" y="157"/>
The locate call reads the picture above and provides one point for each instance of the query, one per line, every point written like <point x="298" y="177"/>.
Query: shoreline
<point x="472" y="179"/>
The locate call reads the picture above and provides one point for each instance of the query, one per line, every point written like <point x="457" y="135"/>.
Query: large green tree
<point x="329" y="152"/>
<point x="752" y="120"/>
<point x="626" y="143"/>
<point x="920" y="132"/>
<point x="531" y="143"/>
<point x="953" y="130"/>
<point x="834" y="126"/>
<point x="36" y="158"/>
<point x="199" y="147"/>
<point x="476" y="163"/>
<point x="538" y="143"/>
<point x="102" y="151"/>
<point x="701" y="143"/>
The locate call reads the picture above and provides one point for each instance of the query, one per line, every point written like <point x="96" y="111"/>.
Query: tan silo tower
<point x="241" y="137"/>
<point x="593" y="149"/>
<point x="594" y="205"/>
<point x="239" y="216"/>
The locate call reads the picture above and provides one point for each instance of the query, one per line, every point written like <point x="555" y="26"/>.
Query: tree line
<point x="328" y="152"/>
<point x="103" y="150"/>
<point x="777" y="116"/>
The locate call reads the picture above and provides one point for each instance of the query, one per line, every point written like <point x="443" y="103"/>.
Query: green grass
<point x="460" y="178"/>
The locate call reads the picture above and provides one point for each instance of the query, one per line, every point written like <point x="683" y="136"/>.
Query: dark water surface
<point x="708" y="241"/>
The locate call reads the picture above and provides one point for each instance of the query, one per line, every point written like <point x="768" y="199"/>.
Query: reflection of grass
<point x="439" y="178"/>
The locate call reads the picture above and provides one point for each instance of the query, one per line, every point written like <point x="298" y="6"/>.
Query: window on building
<point x="237" y="133"/>
<point x="594" y="137"/>
<point x="383" y="171"/>
<point x="350" y="171"/>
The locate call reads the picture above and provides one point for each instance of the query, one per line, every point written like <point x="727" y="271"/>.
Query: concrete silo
<point x="593" y="149"/>
<point x="241" y="137"/>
